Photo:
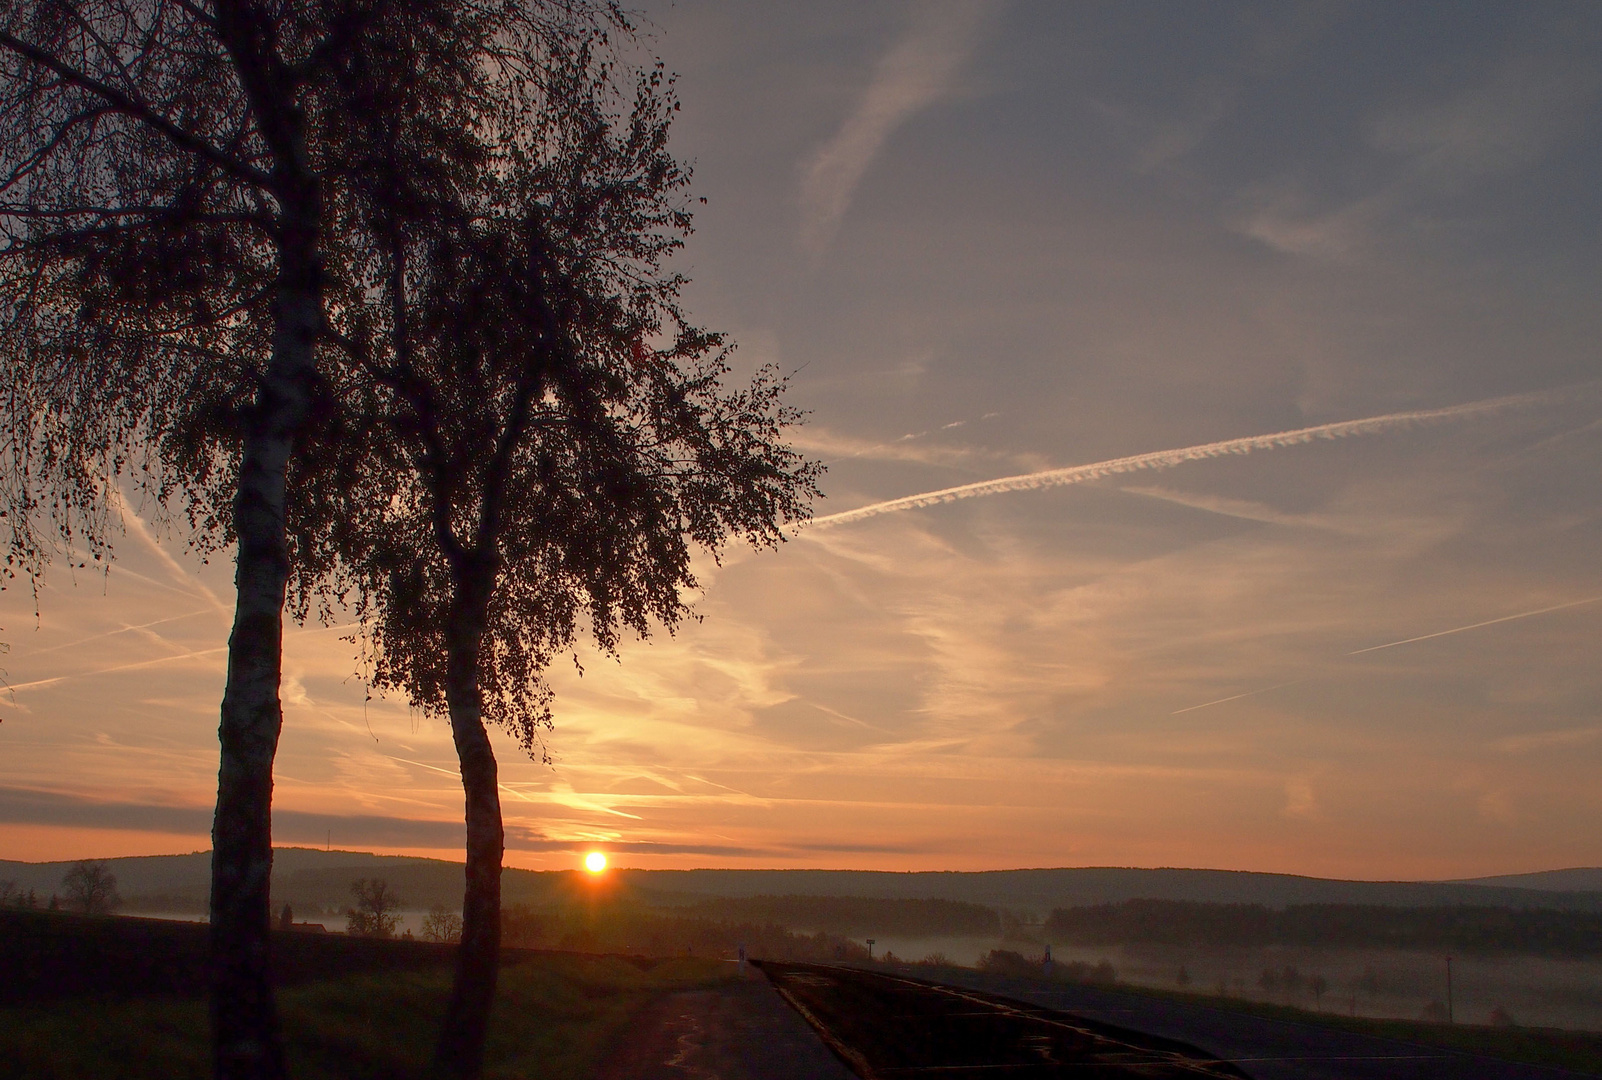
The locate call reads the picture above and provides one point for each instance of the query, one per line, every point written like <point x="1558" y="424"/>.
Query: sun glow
<point x="595" y="862"/>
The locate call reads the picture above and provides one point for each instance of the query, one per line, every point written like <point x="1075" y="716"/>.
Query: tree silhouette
<point x="173" y="175"/>
<point x="91" y="887"/>
<point x="442" y="924"/>
<point x="372" y="915"/>
<point x="548" y="439"/>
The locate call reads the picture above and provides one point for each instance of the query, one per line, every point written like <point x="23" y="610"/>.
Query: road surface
<point x="738" y="1031"/>
<point x="1264" y="1049"/>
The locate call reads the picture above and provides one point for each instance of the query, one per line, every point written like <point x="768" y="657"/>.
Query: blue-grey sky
<point x="995" y="239"/>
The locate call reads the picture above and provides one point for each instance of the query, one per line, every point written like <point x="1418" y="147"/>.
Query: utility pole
<point x="1449" y="1018"/>
<point x="870" y="948"/>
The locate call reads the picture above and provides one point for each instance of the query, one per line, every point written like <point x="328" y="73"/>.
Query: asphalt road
<point x="740" y="1031"/>
<point x="889" y="1027"/>
<point x="1264" y="1049"/>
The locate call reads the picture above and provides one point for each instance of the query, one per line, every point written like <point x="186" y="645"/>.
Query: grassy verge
<point x="555" y="1016"/>
<point x="1580" y="1051"/>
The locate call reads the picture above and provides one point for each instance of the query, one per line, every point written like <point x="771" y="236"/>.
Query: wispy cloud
<point x="1157" y="142"/>
<point x="1497" y="126"/>
<point x="917" y="448"/>
<point x="1562" y="739"/>
<point x="1526" y="106"/>
<point x="1244" y="509"/>
<point x="1165" y="459"/>
<point x="916" y="71"/>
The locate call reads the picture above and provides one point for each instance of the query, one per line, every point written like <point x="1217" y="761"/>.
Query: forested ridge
<point x="1464" y="928"/>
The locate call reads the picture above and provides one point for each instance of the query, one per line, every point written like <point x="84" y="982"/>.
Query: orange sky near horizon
<point x="991" y="239"/>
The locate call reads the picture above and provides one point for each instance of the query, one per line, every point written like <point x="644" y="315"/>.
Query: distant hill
<point x="311" y="879"/>
<point x="1040" y="891"/>
<point x="1575" y="879"/>
<point x="1474" y="930"/>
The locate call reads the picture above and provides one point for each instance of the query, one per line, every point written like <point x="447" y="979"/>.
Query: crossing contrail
<point x="1167" y="459"/>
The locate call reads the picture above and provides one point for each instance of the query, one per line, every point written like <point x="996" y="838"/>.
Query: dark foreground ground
<point x="121" y="999"/>
<point x="49" y="955"/>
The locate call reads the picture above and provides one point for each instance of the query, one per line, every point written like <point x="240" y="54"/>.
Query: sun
<point x="595" y="862"/>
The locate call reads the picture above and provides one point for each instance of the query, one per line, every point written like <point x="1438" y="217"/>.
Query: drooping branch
<point x="137" y="110"/>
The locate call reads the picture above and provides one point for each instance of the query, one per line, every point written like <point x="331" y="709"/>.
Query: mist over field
<point x="1525" y="950"/>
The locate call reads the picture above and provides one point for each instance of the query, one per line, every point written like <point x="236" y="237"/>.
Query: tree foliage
<point x="182" y="190"/>
<point x="157" y="158"/>
<point x="558" y="435"/>
<point x="545" y="438"/>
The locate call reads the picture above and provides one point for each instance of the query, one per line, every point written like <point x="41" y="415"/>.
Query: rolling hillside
<point x="308" y="879"/>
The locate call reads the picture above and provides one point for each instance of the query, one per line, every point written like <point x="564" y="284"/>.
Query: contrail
<point x="119" y="667"/>
<point x="1166" y="459"/>
<point x="1475" y="626"/>
<point x="109" y="633"/>
<point x="1393" y="644"/>
<point x="1236" y="697"/>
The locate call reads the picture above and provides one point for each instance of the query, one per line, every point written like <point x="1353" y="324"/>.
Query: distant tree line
<point x="1462" y="928"/>
<point x="858" y="915"/>
<point x="90" y="888"/>
<point x="1017" y="965"/>
<point x="12" y="895"/>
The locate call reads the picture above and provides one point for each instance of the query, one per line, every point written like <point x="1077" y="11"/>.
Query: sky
<point x="1251" y="354"/>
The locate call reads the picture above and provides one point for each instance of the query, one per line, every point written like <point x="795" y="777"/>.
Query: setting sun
<point x="595" y="862"/>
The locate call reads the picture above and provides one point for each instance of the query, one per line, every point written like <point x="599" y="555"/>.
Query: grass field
<point x="359" y="1011"/>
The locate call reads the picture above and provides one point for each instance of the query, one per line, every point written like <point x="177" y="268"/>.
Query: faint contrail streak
<point x="1236" y="697"/>
<point x="109" y="633"/>
<point x="1393" y="644"/>
<point x="1166" y="459"/>
<point x="119" y="667"/>
<point x="1475" y="626"/>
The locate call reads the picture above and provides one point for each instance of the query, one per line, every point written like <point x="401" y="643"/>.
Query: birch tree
<point x="551" y="438"/>
<point x="169" y="172"/>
